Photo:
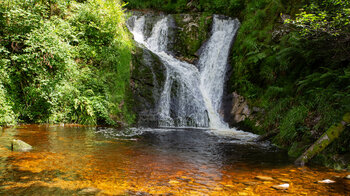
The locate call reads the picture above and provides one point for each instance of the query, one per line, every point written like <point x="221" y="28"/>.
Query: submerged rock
<point x="89" y="191"/>
<point x="250" y="183"/>
<point x="264" y="178"/>
<point x="327" y="181"/>
<point x="283" y="179"/>
<point x="281" y="186"/>
<point x="18" y="145"/>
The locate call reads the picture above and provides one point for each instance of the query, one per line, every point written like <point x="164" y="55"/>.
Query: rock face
<point x="192" y="31"/>
<point x="240" y="109"/>
<point x="147" y="79"/>
<point x="235" y="109"/>
<point x="18" y="145"/>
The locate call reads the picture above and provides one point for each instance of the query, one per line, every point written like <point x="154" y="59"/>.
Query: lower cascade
<point x="192" y="94"/>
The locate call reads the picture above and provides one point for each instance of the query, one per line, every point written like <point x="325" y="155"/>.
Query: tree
<point x="324" y="17"/>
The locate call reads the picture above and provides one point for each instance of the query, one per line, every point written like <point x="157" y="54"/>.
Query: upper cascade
<point x="192" y="94"/>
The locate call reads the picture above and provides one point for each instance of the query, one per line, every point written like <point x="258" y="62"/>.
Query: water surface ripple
<point x="72" y="159"/>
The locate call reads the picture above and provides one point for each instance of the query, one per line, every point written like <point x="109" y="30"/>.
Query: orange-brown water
<point x="67" y="160"/>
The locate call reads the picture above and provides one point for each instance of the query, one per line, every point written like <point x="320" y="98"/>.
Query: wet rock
<point x="89" y="191"/>
<point x="267" y="135"/>
<point x="264" y="178"/>
<point x="281" y="186"/>
<point x="18" y="145"/>
<point x="326" y="181"/>
<point x="240" y="109"/>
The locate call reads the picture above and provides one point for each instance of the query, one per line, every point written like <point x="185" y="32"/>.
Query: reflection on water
<point x="71" y="160"/>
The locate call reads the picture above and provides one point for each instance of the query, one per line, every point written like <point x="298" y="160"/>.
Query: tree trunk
<point x="327" y="138"/>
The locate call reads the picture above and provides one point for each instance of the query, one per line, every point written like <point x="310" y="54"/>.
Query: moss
<point x="147" y="81"/>
<point x="193" y="31"/>
<point x="346" y="118"/>
<point x="328" y="137"/>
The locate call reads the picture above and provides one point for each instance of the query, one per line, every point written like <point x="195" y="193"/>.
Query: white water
<point x="213" y="64"/>
<point x="192" y="96"/>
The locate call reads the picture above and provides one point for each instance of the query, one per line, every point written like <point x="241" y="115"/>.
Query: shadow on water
<point x="198" y="145"/>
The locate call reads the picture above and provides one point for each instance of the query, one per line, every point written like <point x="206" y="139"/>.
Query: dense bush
<point x="64" y="61"/>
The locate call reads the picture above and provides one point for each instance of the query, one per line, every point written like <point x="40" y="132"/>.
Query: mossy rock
<point x="147" y="80"/>
<point x="192" y="31"/>
<point x="21" y="146"/>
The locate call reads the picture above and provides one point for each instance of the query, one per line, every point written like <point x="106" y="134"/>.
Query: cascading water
<point x="181" y="103"/>
<point x="191" y="96"/>
<point x="213" y="67"/>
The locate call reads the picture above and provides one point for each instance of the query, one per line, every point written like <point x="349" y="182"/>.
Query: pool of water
<point x="73" y="160"/>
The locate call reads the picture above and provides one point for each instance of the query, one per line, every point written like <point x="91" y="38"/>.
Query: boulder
<point x="240" y="109"/>
<point x="18" y="145"/>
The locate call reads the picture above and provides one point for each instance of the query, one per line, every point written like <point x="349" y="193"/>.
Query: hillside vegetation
<point x="64" y="62"/>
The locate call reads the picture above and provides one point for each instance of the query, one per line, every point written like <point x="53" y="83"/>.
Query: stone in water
<point x="281" y="186"/>
<point x="264" y="178"/>
<point x="327" y="181"/>
<point x="18" y="145"/>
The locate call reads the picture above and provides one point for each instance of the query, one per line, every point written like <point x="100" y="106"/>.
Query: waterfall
<point x="192" y="95"/>
<point x="213" y="66"/>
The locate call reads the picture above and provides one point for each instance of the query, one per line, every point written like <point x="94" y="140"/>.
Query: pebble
<point x="327" y="181"/>
<point x="264" y="178"/>
<point x="283" y="179"/>
<point x="250" y="183"/>
<point x="281" y="186"/>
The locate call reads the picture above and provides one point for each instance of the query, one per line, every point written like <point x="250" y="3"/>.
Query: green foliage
<point x="227" y="7"/>
<point x="64" y="62"/>
<point x="7" y="117"/>
<point x="323" y="16"/>
<point x="301" y="83"/>
<point x="291" y="124"/>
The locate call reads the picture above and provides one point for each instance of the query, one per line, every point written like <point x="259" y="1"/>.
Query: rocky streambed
<point x="73" y="160"/>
